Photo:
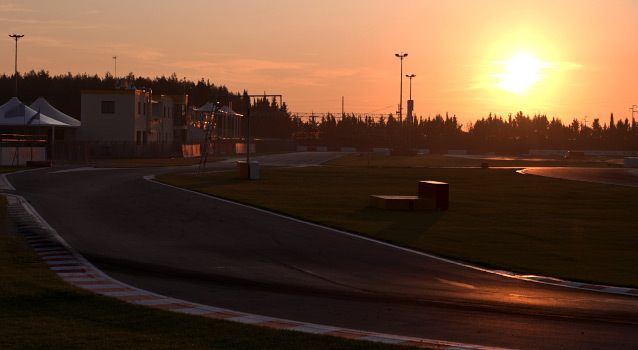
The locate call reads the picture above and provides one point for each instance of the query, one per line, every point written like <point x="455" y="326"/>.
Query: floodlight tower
<point x="16" y="37"/>
<point x="401" y="56"/>
<point x="410" y="102"/>
<point x="115" y="74"/>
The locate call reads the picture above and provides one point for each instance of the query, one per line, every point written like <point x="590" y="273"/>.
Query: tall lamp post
<point x="16" y="37"/>
<point x="410" y="102"/>
<point x="401" y="56"/>
<point x="115" y="74"/>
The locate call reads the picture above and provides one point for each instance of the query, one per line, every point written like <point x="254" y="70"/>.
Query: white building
<point x="134" y="116"/>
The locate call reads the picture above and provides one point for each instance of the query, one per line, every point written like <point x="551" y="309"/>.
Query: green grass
<point x="10" y="169"/>
<point x="378" y="159"/>
<point x="497" y="218"/>
<point x="40" y="311"/>
<point x="150" y="162"/>
<point x="166" y="162"/>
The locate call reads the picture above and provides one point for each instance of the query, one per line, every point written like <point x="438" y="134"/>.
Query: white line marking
<point x="82" y="169"/>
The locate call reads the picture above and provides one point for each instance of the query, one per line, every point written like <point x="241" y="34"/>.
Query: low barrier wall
<point x="20" y="155"/>
<point x="189" y="151"/>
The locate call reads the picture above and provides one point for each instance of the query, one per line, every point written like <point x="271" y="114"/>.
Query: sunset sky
<point x="565" y="59"/>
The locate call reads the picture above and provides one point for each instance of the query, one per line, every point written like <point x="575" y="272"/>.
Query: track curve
<point x="197" y="248"/>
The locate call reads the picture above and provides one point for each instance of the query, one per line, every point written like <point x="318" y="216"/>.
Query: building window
<point x="108" y="107"/>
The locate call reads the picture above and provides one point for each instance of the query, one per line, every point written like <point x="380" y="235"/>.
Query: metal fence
<point x="124" y="149"/>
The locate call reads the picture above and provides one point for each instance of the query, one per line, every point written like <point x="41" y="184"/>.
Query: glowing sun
<point x="522" y="70"/>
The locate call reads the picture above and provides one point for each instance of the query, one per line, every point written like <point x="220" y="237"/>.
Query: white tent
<point x="16" y="113"/>
<point x="229" y="111"/>
<point x="210" y="108"/>
<point x="207" y="108"/>
<point x="45" y="108"/>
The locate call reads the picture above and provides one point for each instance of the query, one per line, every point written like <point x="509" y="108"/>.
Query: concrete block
<point x="246" y="171"/>
<point x="439" y="191"/>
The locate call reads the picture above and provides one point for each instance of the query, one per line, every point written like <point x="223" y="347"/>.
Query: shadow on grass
<point x="402" y="226"/>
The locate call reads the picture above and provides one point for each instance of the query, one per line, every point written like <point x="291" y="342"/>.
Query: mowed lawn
<point x="497" y="218"/>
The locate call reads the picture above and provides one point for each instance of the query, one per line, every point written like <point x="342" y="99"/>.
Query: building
<point x="37" y="132"/>
<point x="132" y="122"/>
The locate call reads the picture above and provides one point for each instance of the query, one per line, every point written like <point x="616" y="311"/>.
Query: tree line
<point x="511" y="134"/>
<point x="64" y="93"/>
<point x="514" y="134"/>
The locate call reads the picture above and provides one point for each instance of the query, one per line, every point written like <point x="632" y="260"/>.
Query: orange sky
<point x="314" y="52"/>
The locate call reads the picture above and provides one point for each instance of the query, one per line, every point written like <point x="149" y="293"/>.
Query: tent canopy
<point x="16" y="113"/>
<point x="228" y="111"/>
<point x="207" y="108"/>
<point x="210" y="108"/>
<point x="47" y="109"/>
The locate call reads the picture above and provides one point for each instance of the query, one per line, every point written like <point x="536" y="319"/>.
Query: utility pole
<point x="633" y="110"/>
<point x="401" y="56"/>
<point x="16" y="37"/>
<point x="115" y="74"/>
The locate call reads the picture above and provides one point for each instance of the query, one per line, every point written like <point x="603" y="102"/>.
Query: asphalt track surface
<point x="193" y="247"/>
<point x="615" y="176"/>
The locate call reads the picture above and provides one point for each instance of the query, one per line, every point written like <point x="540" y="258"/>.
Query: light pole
<point x="410" y="76"/>
<point x="410" y="102"/>
<point x="401" y="56"/>
<point x="16" y="37"/>
<point x="115" y="74"/>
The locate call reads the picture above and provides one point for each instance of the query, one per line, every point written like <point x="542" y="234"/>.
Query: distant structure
<point x="130" y="118"/>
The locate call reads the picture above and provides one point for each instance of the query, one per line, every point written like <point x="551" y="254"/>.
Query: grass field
<point x="40" y="311"/>
<point x="378" y="159"/>
<point x="150" y="162"/>
<point x="164" y="162"/>
<point x="497" y="218"/>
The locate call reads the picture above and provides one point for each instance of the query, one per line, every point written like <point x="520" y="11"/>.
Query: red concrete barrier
<point x="440" y="191"/>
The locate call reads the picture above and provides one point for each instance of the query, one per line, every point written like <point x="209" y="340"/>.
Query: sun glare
<point x="522" y="70"/>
